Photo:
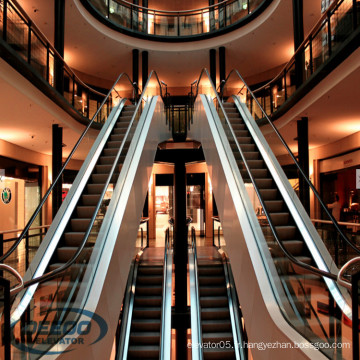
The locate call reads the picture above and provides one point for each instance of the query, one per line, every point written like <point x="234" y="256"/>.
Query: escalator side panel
<point x="242" y="232"/>
<point x="111" y="258"/>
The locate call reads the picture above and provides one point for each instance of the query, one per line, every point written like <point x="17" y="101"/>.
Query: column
<point x="298" y="27"/>
<point x="303" y="158"/>
<point x="135" y="68"/>
<point x="57" y="135"/>
<point x="180" y="258"/>
<point x="145" y="17"/>
<point x="211" y="16"/>
<point x="144" y="67"/>
<point x="135" y="16"/>
<point x="213" y="65"/>
<point x="59" y="36"/>
<point x="222" y="63"/>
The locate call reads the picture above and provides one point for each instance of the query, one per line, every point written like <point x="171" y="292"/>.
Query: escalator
<point x="146" y="318"/>
<point x="261" y="215"/>
<point x="145" y="328"/>
<point x="90" y="243"/>
<point x="215" y="312"/>
<point x="86" y="206"/>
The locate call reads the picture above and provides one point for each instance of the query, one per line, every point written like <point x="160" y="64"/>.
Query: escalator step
<point x="256" y="173"/>
<point x="295" y="247"/>
<point x="145" y="325"/>
<point x="212" y="290"/>
<point x="218" y="353"/>
<point x="213" y="301"/>
<point x="149" y="279"/>
<point x="117" y="137"/>
<point x="147" y="313"/>
<point x="215" y="325"/>
<point x="149" y="290"/>
<point x="264" y="183"/>
<point x="251" y="155"/>
<point x="65" y="253"/>
<point x="106" y="160"/>
<point x="143" y="352"/>
<point x="150" y="270"/>
<point x="256" y="164"/>
<point x="72" y="238"/>
<point x="94" y="188"/>
<point x="147" y="300"/>
<point x="274" y="206"/>
<point x="211" y="280"/>
<point x="269" y="194"/>
<point x="90" y="200"/>
<point x="210" y="270"/>
<point x="145" y="337"/>
<point x="85" y="211"/>
<point x="215" y="313"/>
<point x="281" y="218"/>
<point x="120" y="130"/>
<point x="217" y="337"/>
<point x="79" y="225"/>
<point x="102" y="178"/>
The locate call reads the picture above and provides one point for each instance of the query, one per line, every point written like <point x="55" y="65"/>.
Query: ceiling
<point x="258" y="50"/>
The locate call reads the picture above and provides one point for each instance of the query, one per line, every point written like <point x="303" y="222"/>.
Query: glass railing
<point x="62" y="293"/>
<point x="28" y="42"/>
<point x="306" y="292"/>
<point x="339" y="22"/>
<point x="162" y="23"/>
<point x="329" y="230"/>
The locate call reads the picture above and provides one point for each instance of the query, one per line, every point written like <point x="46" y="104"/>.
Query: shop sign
<point x="6" y="195"/>
<point x="357" y="178"/>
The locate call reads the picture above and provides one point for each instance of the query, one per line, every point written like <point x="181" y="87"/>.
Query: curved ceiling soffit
<point x="144" y="44"/>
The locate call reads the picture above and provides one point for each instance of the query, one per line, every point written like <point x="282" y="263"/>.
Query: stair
<point x="216" y="328"/>
<point x="146" y="316"/>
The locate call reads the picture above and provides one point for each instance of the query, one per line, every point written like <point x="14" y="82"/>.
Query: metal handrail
<point x="233" y="307"/>
<point x="128" y="306"/>
<point x="165" y="331"/>
<point x="18" y="230"/>
<point x="315" y="28"/>
<point x="196" y="334"/>
<point x="309" y="268"/>
<point x="180" y="12"/>
<point x="340" y="277"/>
<point x="310" y="184"/>
<point x="39" y="33"/>
<point x="19" y="278"/>
<point x="42" y="202"/>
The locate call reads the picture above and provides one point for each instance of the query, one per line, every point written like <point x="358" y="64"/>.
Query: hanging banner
<point x="357" y="178"/>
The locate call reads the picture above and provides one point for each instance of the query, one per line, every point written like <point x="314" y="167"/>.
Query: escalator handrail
<point x="165" y="331"/>
<point x="128" y="306"/>
<point x="233" y="308"/>
<point x="310" y="184"/>
<point x="196" y="355"/>
<point x="64" y="267"/>
<point x="18" y="277"/>
<point x="58" y="177"/>
<point x="310" y="268"/>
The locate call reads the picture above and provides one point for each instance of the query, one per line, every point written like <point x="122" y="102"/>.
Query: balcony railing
<point x="23" y="37"/>
<point x="163" y="24"/>
<point x="336" y="25"/>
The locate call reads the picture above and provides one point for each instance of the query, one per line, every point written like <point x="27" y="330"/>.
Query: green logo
<point x="6" y="195"/>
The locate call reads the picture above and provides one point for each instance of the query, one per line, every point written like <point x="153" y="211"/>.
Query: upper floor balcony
<point x="166" y="25"/>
